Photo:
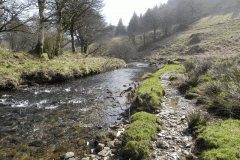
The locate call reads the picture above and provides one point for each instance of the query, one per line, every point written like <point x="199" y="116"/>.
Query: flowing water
<point x="63" y="117"/>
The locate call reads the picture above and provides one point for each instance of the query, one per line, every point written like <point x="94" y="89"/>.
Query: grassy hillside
<point x="211" y="48"/>
<point x="216" y="34"/>
<point x="25" y="69"/>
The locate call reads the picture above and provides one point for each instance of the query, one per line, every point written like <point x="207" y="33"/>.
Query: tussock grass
<point x="197" y="119"/>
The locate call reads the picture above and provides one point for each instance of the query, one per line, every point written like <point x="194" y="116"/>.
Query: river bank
<point x="19" y="70"/>
<point x="160" y="133"/>
<point x="49" y="120"/>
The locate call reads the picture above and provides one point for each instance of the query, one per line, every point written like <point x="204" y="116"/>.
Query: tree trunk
<point x="85" y="48"/>
<point x="72" y="37"/>
<point x="58" y="42"/>
<point x="144" y="39"/>
<point x="82" y="43"/>
<point x="39" y="46"/>
<point x="59" y="28"/>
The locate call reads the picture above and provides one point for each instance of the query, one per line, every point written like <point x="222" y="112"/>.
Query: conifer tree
<point x="133" y="24"/>
<point x="120" y="30"/>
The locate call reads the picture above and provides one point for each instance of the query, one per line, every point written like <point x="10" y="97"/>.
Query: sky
<point x="116" y="9"/>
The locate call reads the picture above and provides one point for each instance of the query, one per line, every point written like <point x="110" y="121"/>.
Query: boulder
<point x="69" y="155"/>
<point x="100" y="147"/>
<point x="105" y="152"/>
<point x="162" y="144"/>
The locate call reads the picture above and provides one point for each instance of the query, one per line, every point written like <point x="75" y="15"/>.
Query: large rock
<point x="105" y="152"/>
<point x="100" y="147"/>
<point x="162" y="144"/>
<point x="69" y="155"/>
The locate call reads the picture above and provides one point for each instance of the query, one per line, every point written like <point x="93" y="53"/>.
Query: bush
<point x="121" y="47"/>
<point x="225" y="91"/>
<point x="197" y="119"/>
<point x="195" y="69"/>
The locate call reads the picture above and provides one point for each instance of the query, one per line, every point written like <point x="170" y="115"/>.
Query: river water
<point x="63" y="117"/>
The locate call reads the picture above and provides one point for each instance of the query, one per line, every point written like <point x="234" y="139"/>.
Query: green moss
<point x="173" y="77"/>
<point x="151" y="88"/>
<point x="221" y="141"/>
<point x="146" y="76"/>
<point x="104" y="137"/>
<point x="44" y="56"/>
<point x="137" y="136"/>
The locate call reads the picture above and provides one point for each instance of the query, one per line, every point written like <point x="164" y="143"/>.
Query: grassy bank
<point x="151" y="90"/>
<point x="137" y="137"/>
<point x="25" y="69"/>
<point x="220" y="141"/>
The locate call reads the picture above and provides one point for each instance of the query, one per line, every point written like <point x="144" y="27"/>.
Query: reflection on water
<point x="88" y="101"/>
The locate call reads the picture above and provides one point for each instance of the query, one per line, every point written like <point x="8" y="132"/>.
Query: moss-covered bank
<point x="151" y="90"/>
<point x="220" y="141"/>
<point x="137" y="137"/>
<point x="25" y="69"/>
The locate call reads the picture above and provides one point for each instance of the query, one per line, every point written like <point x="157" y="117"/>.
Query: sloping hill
<point x="215" y="34"/>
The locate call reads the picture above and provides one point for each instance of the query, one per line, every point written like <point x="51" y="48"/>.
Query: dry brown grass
<point x="218" y="35"/>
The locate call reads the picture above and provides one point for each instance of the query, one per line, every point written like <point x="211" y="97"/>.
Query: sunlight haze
<point x="114" y="10"/>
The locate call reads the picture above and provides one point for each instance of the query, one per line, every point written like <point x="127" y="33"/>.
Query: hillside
<point x="216" y="34"/>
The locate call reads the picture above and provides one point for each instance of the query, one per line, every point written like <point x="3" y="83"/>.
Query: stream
<point x="52" y="119"/>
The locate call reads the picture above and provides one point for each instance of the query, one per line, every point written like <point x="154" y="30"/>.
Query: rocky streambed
<point x="174" y="141"/>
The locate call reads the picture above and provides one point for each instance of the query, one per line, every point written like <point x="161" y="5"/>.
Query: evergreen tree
<point x="120" y="30"/>
<point x="133" y="24"/>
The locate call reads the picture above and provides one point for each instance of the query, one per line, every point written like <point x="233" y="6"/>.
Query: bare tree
<point x="91" y="29"/>
<point x="10" y="10"/>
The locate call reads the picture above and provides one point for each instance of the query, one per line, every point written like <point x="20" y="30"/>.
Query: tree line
<point x="47" y="26"/>
<point x="175" y="14"/>
<point x="55" y="24"/>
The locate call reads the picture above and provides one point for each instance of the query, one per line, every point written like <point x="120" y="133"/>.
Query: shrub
<point x="225" y="92"/>
<point x="197" y="119"/>
<point x="120" y="47"/>
<point x="195" y="69"/>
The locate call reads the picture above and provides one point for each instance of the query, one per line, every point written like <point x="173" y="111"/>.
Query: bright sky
<point x="116" y="9"/>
